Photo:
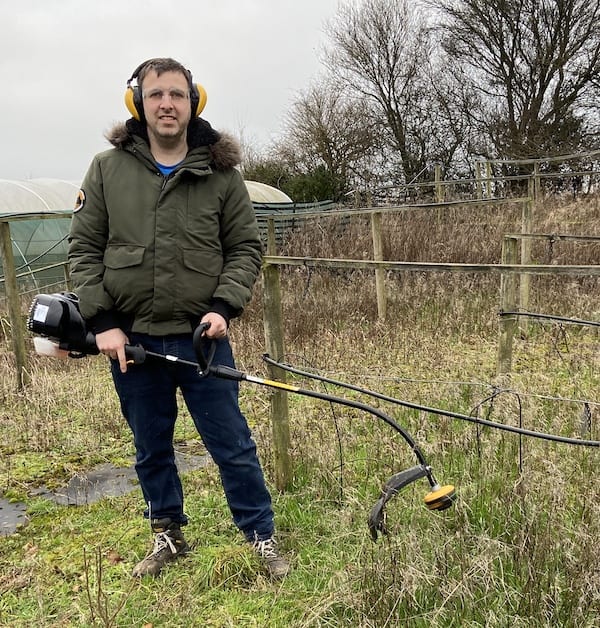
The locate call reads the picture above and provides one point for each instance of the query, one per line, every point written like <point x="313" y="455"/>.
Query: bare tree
<point x="533" y="64"/>
<point x="327" y="129"/>
<point x="381" y="50"/>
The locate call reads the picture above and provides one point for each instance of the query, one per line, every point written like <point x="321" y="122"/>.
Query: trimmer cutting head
<point x="440" y="498"/>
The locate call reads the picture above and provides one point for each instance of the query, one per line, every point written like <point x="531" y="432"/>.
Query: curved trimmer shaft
<point x="439" y="498"/>
<point x="136" y="354"/>
<point x="57" y="318"/>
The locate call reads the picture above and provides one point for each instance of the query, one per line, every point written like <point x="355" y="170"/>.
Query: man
<point x="163" y="238"/>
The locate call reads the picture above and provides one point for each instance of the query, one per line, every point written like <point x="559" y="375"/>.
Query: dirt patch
<point x="105" y="480"/>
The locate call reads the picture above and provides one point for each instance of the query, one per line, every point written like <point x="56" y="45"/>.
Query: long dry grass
<point x="518" y="548"/>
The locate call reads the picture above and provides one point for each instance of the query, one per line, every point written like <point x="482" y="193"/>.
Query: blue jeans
<point x="147" y="393"/>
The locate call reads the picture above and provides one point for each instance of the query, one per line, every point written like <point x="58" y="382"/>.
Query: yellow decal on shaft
<point x="270" y="382"/>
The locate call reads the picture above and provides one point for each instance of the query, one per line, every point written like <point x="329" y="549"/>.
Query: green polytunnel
<point x="39" y="215"/>
<point x="38" y="212"/>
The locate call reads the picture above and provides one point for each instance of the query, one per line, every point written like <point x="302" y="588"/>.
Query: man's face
<point x="167" y="106"/>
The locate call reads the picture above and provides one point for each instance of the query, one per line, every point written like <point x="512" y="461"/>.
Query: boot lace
<point x="267" y="548"/>
<point x="162" y="541"/>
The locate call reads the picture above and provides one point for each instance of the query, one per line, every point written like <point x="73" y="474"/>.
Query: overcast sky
<point x="64" y="65"/>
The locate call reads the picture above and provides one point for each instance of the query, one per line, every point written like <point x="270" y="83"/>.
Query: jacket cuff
<point x="224" y="309"/>
<point x="103" y="321"/>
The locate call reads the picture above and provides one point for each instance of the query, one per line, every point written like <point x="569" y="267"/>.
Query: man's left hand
<point x="218" y="325"/>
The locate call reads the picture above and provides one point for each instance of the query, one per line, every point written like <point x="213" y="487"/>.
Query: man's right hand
<point x="112" y="343"/>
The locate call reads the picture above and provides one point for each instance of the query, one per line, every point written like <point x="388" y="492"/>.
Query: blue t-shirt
<point x="166" y="170"/>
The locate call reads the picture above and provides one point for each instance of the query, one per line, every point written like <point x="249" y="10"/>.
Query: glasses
<point x="157" y="95"/>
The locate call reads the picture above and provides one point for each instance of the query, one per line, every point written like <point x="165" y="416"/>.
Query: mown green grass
<point x="519" y="547"/>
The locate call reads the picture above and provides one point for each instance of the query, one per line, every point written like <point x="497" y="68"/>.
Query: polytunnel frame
<point x="11" y="288"/>
<point x="31" y="199"/>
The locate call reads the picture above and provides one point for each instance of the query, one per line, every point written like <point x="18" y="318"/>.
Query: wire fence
<point x="276" y="220"/>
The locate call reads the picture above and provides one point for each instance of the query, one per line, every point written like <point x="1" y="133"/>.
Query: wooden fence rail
<point x="514" y="272"/>
<point x="509" y="270"/>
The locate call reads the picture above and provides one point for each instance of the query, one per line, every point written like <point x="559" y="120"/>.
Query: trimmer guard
<point x="393" y="486"/>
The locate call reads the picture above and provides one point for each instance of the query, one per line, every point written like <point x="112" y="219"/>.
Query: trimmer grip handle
<point x="135" y="354"/>
<point x="199" y="341"/>
<point x="90" y="344"/>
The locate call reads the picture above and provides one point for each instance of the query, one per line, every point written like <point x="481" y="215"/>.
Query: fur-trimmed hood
<point x="224" y="148"/>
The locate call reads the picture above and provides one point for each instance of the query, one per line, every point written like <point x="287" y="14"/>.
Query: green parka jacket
<point x="152" y="254"/>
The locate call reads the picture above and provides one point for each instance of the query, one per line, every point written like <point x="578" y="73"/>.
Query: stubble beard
<point x="168" y="139"/>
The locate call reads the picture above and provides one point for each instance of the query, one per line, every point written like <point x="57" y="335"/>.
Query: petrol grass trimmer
<point x="60" y="330"/>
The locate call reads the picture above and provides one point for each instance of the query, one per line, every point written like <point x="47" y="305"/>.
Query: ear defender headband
<point x="133" y="95"/>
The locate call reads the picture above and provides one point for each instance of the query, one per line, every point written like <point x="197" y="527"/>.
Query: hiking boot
<point x="169" y="543"/>
<point x="276" y="565"/>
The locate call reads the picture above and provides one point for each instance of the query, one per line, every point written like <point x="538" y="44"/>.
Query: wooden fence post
<point x="379" y="272"/>
<point x="537" y="184"/>
<point x="439" y="188"/>
<point x="526" y="227"/>
<point x="478" y="182"/>
<point x="14" y="304"/>
<point x="273" y="327"/>
<point x="508" y="298"/>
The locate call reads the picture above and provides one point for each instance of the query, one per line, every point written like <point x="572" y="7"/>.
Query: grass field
<point x="520" y="545"/>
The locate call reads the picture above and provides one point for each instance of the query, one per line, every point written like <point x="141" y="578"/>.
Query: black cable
<point x="338" y="437"/>
<point x="496" y="393"/>
<point x="564" y="319"/>
<point x="453" y="415"/>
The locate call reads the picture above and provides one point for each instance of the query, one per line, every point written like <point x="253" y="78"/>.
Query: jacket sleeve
<point x="241" y="245"/>
<point x="87" y="242"/>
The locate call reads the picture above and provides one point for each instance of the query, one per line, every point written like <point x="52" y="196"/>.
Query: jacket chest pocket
<point x="203" y="261"/>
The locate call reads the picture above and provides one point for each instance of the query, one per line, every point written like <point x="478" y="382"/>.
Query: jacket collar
<point x="224" y="149"/>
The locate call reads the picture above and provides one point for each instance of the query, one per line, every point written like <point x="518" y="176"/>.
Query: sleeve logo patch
<point x="80" y="201"/>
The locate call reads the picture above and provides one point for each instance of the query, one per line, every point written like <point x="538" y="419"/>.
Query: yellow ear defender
<point x="133" y="96"/>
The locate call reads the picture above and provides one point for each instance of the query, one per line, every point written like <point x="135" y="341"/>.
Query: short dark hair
<point x="161" y="65"/>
